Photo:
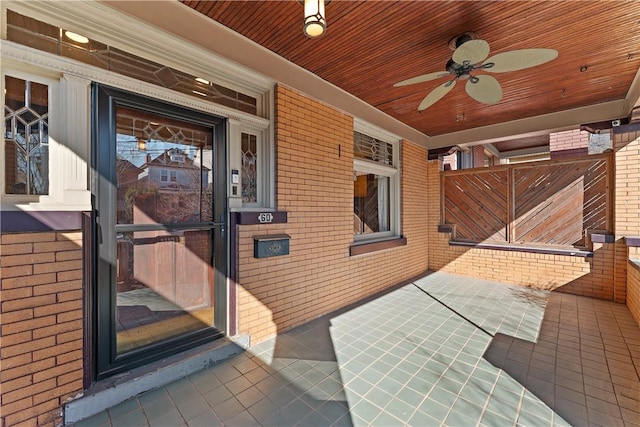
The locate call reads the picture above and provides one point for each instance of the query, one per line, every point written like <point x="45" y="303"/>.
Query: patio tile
<point x="123" y="408"/>
<point x="228" y="409"/>
<point x="205" y="419"/>
<point x="405" y="358"/>
<point x="134" y="418"/>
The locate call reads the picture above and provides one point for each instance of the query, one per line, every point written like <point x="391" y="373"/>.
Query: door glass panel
<point x="164" y="237"/>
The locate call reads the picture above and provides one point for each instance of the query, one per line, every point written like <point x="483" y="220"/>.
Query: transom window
<point x="49" y="38"/>
<point x="375" y="192"/>
<point x="26" y="115"/>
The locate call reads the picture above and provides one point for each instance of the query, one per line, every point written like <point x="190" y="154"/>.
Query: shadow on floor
<point x="581" y="365"/>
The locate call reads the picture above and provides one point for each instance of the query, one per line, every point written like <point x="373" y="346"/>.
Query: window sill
<point x="365" y="248"/>
<point x="524" y="248"/>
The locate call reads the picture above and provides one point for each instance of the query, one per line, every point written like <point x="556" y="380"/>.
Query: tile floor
<point x="443" y="350"/>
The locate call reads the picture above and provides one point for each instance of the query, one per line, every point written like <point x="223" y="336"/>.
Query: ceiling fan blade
<point x="520" y="59"/>
<point x="420" y="79"/>
<point x="486" y="89"/>
<point x="473" y="51"/>
<point x="436" y="94"/>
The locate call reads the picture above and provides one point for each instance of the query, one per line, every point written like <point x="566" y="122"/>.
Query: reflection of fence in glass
<point x="165" y="284"/>
<point x="552" y="203"/>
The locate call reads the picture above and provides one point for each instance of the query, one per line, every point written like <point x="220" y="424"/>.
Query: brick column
<point x="627" y="204"/>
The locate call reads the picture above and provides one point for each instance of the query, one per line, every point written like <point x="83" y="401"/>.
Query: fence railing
<point x="555" y="202"/>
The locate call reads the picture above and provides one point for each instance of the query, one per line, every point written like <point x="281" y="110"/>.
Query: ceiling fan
<point x="470" y="55"/>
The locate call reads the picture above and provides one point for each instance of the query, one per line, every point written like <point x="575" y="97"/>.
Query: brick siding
<point x="627" y="216"/>
<point x="633" y="289"/>
<point x="568" y="143"/>
<point x="315" y="186"/>
<point x="41" y="305"/>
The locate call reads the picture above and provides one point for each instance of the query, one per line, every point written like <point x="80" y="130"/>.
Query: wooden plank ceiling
<point x="370" y="45"/>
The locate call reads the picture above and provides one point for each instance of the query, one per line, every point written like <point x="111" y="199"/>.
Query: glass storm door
<point x="160" y="215"/>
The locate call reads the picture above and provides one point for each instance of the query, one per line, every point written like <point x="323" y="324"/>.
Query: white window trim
<point x="392" y="171"/>
<point x="11" y="201"/>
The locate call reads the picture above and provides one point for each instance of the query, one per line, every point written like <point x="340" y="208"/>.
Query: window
<point x="249" y="152"/>
<point x="164" y="175"/>
<point x="26" y="115"/>
<point x="174" y="176"/>
<point x="49" y="38"/>
<point x="375" y="189"/>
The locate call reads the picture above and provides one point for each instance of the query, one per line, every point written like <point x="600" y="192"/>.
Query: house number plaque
<point x="265" y="218"/>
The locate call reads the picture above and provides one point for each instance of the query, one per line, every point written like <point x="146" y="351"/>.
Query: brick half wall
<point x="577" y="275"/>
<point x="41" y="364"/>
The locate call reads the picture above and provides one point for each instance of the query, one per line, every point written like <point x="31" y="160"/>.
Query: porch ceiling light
<point x="315" y="22"/>
<point x="142" y="145"/>
<point x="76" y="37"/>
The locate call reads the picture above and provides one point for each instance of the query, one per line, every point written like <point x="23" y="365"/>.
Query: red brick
<point x="20" y="326"/>
<point x="25" y="371"/>
<point x="27" y="347"/>
<point x="15" y="249"/>
<point x="27" y="391"/>
<point x="56" y="350"/>
<point x="49" y="309"/>
<point x="19" y="338"/>
<point x="8" y="239"/>
<point x="20" y="282"/>
<point x="15" y="384"/>
<point x="57" y="266"/>
<point x="17" y="316"/>
<point x="57" y="329"/>
<point x="57" y="371"/>
<point x="32" y="302"/>
<point x="24" y="259"/>
<point x="17" y="406"/>
<point x="31" y="412"/>
<point x="52" y="288"/>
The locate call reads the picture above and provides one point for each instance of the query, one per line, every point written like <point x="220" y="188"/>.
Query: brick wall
<point x="478" y="156"/>
<point x="569" y="143"/>
<point x="633" y="289"/>
<point x="627" y="211"/>
<point x="41" y="317"/>
<point x="314" y="145"/>
<point x="577" y="275"/>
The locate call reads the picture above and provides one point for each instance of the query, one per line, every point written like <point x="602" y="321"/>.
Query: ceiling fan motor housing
<point x="461" y="71"/>
<point x="458" y="41"/>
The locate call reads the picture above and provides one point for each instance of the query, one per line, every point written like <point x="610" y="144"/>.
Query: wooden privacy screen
<point x="554" y="202"/>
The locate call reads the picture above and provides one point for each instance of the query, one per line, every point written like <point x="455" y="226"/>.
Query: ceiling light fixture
<point x="315" y="22"/>
<point x="203" y="81"/>
<point x="76" y="37"/>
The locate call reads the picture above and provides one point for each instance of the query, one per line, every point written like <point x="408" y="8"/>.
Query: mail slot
<point x="271" y="245"/>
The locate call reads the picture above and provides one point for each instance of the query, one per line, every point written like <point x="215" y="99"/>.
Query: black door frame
<point x="103" y="155"/>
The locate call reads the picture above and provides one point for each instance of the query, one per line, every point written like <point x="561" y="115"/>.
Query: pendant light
<point x="315" y="22"/>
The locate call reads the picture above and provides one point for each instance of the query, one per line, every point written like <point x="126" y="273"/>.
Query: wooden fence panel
<point x="556" y="203"/>
<point x="477" y="204"/>
<point x="551" y="203"/>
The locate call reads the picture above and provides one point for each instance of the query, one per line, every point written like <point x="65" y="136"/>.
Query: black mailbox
<point x="271" y="245"/>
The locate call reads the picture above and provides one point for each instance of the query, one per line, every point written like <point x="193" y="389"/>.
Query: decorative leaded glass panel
<point x="26" y="115"/>
<point x="366" y="147"/>
<point x="39" y="35"/>
<point x="249" y="151"/>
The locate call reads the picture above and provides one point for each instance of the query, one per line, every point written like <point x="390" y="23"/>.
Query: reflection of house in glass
<point x="172" y="188"/>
